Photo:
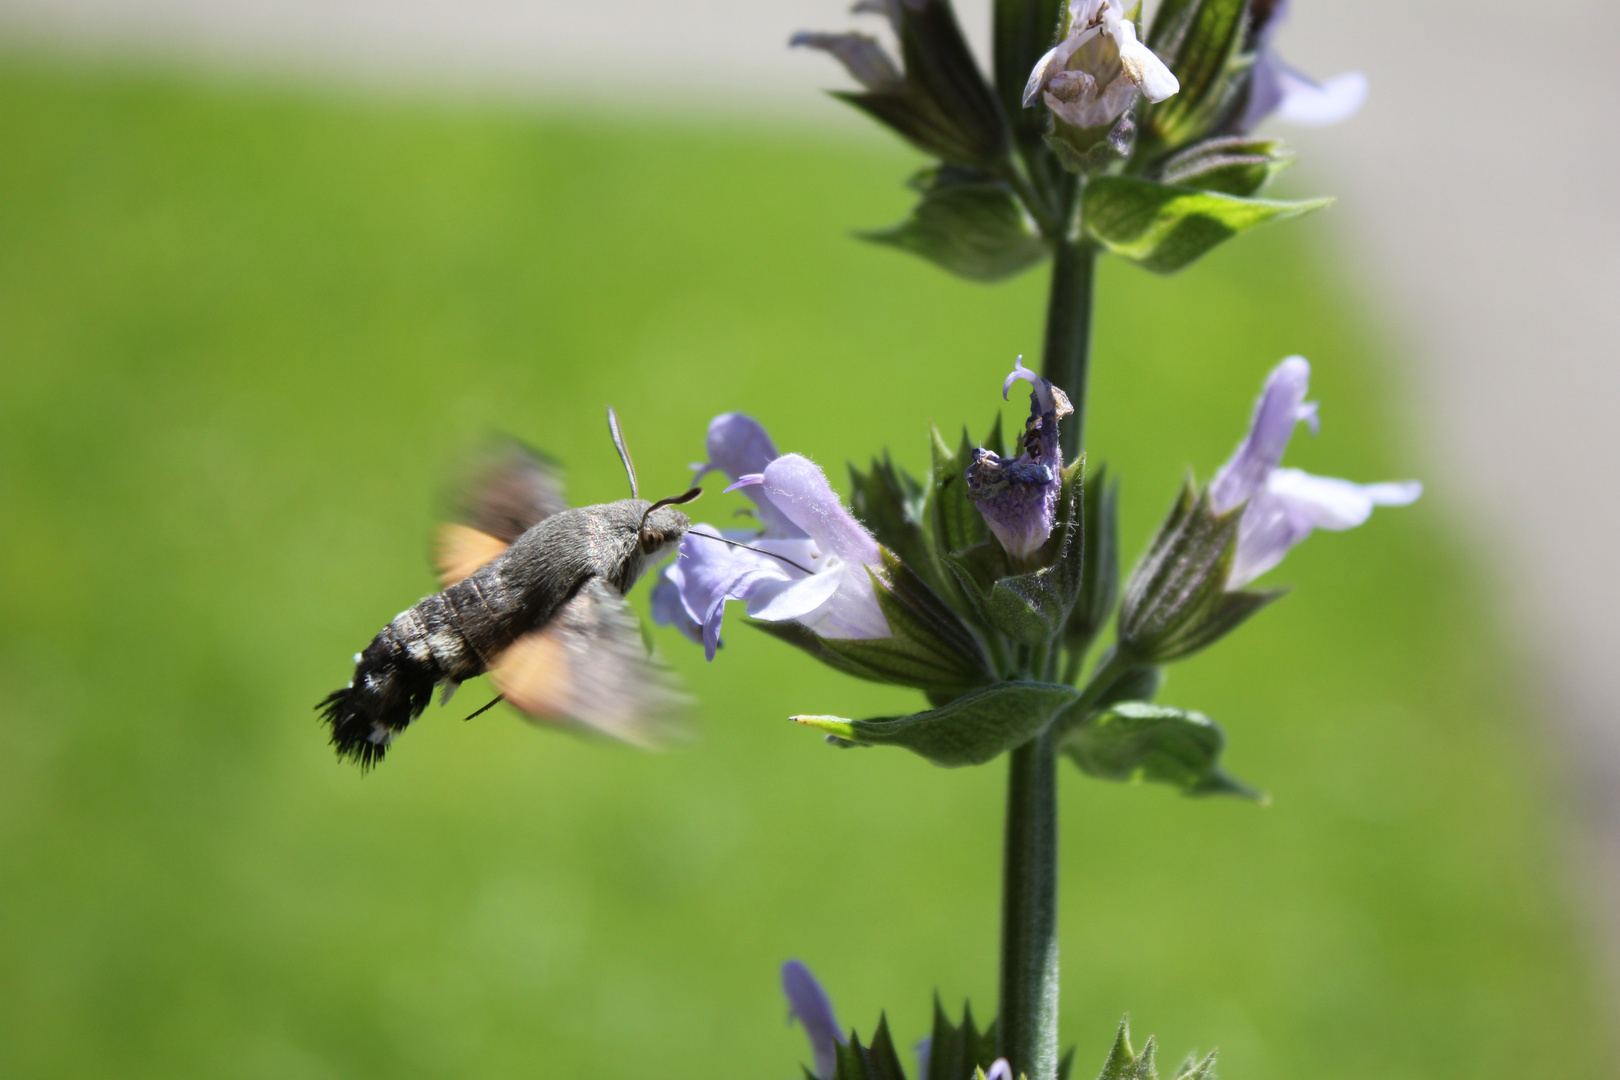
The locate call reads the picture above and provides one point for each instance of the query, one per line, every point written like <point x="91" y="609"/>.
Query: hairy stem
<point x="1027" y="1025"/>
<point x="1067" y="355"/>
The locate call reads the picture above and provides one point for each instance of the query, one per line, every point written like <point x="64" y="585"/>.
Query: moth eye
<point x="650" y="539"/>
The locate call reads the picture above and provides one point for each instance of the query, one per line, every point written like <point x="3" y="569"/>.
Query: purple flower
<point x="811" y="1007"/>
<point x="1018" y="496"/>
<point x="1274" y="87"/>
<point x="738" y="446"/>
<point x="999" y="1070"/>
<point x="1284" y="505"/>
<point x="809" y="564"/>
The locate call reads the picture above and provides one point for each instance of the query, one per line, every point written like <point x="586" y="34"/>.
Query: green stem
<point x="1027" y="1025"/>
<point x="1067" y="355"/>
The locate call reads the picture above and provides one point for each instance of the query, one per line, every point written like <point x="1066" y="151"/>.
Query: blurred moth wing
<point x="590" y="665"/>
<point x="509" y="489"/>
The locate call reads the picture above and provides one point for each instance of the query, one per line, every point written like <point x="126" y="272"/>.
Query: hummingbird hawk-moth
<point x="534" y="595"/>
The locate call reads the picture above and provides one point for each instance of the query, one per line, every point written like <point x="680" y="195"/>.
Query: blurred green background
<point x="245" y="332"/>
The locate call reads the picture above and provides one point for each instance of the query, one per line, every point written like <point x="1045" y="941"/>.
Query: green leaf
<point x="1195" y="1068"/>
<point x="954" y="1052"/>
<point x="1135" y="741"/>
<point x="876" y="1062"/>
<point x="976" y="229"/>
<point x="954" y="523"/>
<point x="1201" y="42"/>
<point x="1235" y="165"/>
<point x="1024" y="30"/>
<point x="941" y="69"/>
<point x="969" y="731"/>
<point x="1099" y="571"/>
<point x="892" y="505"/>
<point x="1165" y="228"/>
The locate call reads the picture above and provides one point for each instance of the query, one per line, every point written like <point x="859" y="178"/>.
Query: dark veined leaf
<point x="971" y="730"/>
<point x="1099" y="572"/>
<point x="955" y="1051"/>
<point x="974" y="227"/>
<point x="1134" y="741"/>
<point x="1166" y="228"/>
<point x="892" y="504"/>
<point x="1024" y="30"/>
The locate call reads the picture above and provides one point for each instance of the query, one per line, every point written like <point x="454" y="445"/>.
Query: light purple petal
<point x="738" y="444"/>
<point x="999" y="1070"/>
<point x="924" y="1050"/>
<point x="783" y="601"/>
<point x="1314" y="105"/>
<point x="739" y="447"/>
<point x="813" y="1009"/>
<point x="669" y="610"/>
<point x="708" y="573"/>
<point x="1293" y="503"/>
<point x="1281" y="405"/>
<point x="1265" y="89"/>
<point x="800" y="490"/>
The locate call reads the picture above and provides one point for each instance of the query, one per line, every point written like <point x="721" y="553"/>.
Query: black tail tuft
<point x="388" y="692"/>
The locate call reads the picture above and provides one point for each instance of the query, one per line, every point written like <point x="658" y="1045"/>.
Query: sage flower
<point x="1018" y="496"/>
<point x="819" y="578"/>
<point x="810" y="1006"/>
<point x="1285" y="505"/>
<point x="1276" y="88"/>
<point x="1091" y="77"/>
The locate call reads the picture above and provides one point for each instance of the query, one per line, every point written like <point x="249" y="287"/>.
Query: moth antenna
<point x="624" y="452"/>
<point x="496" y="701"/>
<point x="755" y="550"/>
<point x="673" y="500"/>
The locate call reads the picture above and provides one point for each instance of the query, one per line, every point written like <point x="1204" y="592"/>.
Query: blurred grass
<point x="244" y="333"/>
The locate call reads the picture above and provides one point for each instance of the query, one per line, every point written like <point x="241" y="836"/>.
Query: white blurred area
<point x="1477" y="201"/>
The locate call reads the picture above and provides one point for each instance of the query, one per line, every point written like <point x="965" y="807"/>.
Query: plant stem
<point x="1027" y="1025"/>
<point x="1067" y="355"/>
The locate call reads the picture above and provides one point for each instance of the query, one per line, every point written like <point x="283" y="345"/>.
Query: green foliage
<point x="971" y="730"/>
<point x="1135" y="741"/>
<point x="893" y="505"/>
<point x="1233" y="165"/>
<point x="1099" y="572"/>
<point x="1165" y="227"/>
<point x="1024" y="30"/>
<point x="955" y="1051"/>
<point x="969" y="224"/>
<point x="876" y="1062"/>
<point x="1176" y="601"/>
<point x="1201" y="42"/>
<point x="1126" y="1064"/>
<point x="955" y="524"/>
<point x="944" y="106"/>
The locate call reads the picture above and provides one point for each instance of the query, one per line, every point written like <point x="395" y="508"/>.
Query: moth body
<point x="545" y="610"/>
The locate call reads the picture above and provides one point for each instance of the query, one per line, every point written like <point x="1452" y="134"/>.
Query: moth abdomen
<point x="393" y="682"/>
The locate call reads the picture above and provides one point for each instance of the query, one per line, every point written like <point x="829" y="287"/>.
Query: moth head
<point x="662" y="524"/>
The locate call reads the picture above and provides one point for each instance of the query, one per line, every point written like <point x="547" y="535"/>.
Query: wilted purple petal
<point x="1018" y="496"/>
<point x="813" y="1009"/>
<point x="739" y="447"/>
<point x="1281" y="405"/>
<point x="1090" y="77"/>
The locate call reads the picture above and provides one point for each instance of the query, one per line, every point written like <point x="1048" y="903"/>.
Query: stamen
<point x="755" y="550"/>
